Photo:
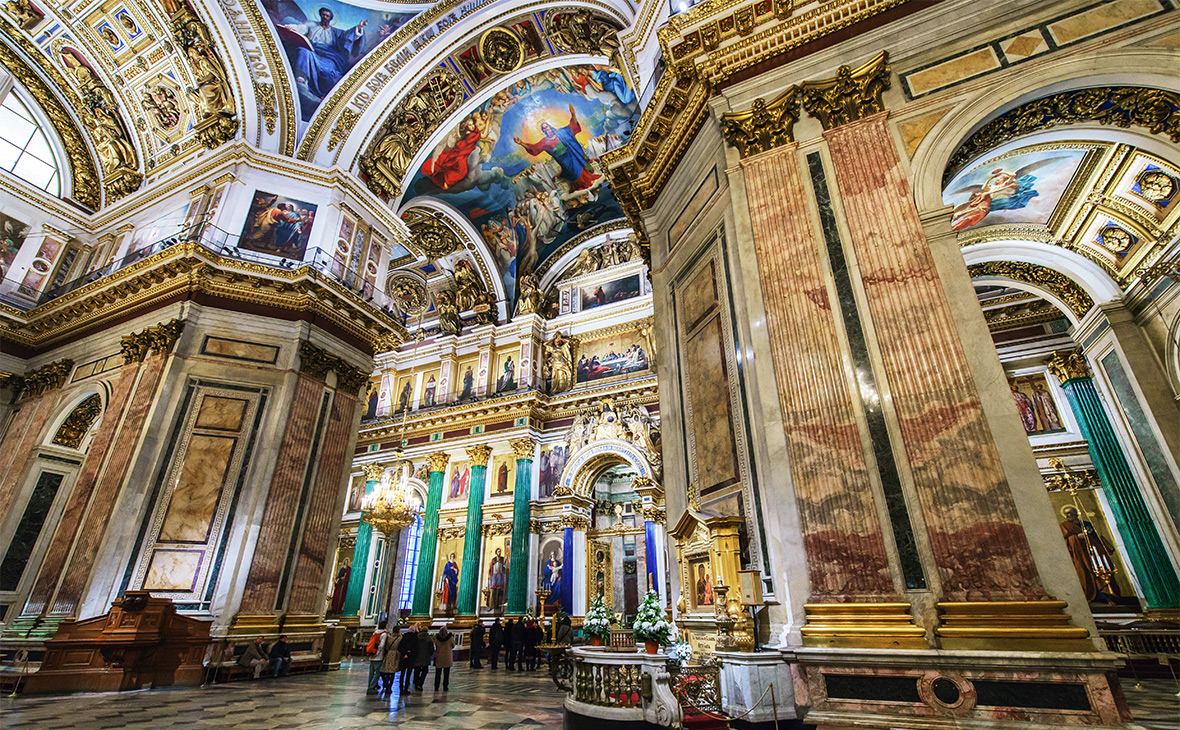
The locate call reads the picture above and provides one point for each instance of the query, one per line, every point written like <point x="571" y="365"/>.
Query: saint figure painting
<point x="278" y="225"/>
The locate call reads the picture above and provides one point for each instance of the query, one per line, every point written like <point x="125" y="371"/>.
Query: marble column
<point x="360" y="551"/>
<point x="424" y="578"/>
<point x="469" y="572"/>
<point x="568" y="569"/>
<point x="1145" y="548"/>
<point x="518" y="572"/>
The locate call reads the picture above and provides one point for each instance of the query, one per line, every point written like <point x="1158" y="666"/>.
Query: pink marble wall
<point x="977" y="539"/>
<point x="282" y="500"/>
<point x="307" y="593"/>
<point x="20" y="443"/>
<point x="841" y="530"/>
<point x="109" y="485"/>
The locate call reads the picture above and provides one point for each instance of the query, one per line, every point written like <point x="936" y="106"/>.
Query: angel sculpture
<point x="1002" y="190"/>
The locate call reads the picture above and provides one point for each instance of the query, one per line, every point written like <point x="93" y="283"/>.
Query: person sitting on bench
<point x="280" y="657"/>
<point x="254" y="657"/>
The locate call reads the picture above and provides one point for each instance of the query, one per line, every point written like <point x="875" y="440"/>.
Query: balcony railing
<point x="624" y="687"/>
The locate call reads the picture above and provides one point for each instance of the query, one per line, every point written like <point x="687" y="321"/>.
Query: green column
<point x="469" y="572"/>
<point x="1145" y="549"/>
<point x="518" y="567"/>
<point x="424" y="579"/>
<point x="360" y="552"/>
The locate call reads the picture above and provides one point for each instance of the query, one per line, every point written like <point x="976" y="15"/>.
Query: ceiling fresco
<point x="324" y="40"/>
<point x="1020" y="188"/>
<point x="523" y="166"/>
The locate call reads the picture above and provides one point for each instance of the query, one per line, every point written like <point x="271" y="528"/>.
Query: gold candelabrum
<point x="542" y="594"/>
<point x="1066" y="480"/>
<point x="391" y="506"/>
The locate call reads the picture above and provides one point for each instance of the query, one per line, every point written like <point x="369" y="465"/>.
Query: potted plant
<point x="650" y="626"/>
<point x="597" y="622"/>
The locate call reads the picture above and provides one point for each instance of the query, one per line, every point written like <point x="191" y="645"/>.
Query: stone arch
<point x="584" y="465"/>
<point x="1137" y="67"/>
<point x="77" y="417"/>
<point x="1172" y="357"/>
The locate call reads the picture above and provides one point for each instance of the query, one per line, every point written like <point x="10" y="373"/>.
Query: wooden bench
<point x="232" y="672"/>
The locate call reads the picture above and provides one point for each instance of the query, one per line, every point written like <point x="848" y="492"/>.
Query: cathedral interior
<point x="855" y="324"/>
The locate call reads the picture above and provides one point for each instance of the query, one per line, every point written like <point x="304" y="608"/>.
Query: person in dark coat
<point x="476" y="649"/>
<point x="407" y="648"/>
<point x="496" y="640"/>
<point x="519" y="635"/>
<point x="254" y="657"/>
<point x="531" y="639"/>
<point x="422" y="657"/>
<point x="511" y="629"/>
<point x="280" y="657"/>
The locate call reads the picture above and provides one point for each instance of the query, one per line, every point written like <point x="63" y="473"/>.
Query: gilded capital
<point x="373" y="472"/>
<point x="767" y="125"/>
<point x="35" y="382"/>
<point x="158" y="340"/>
<point x="438" y="461"/>
<point x="575" y="522"/>
<point x="1068" y="366"/>
<point x="478" y="455"/>
<point x="523" y="448"/>
<point x="851" y="96"/>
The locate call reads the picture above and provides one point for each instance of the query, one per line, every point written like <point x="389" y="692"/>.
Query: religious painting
<point x="324" y="40"/>
<point x="506" y="375"/>
<point x="403" y="393"/>
<point x="551" y="465"/>
<point x="502" y="475"/>
<point x="466" y="379"/>
<point x="460" y="482"/>
<point x="600" y="572"/>
<point x="607" y="357"/>
<point x="371" y="402"/>
<point x="524" y="168"/>
<point x="1092" y="548"/>
<point x="1036" y="405"/>
<point x="446" y="587"/>
<point x="552" y="570"/>
<point x="497" y="558"/>
<point x="356" y="493"/>
<point x="278" y="225"/>
<point x="14" y="233"/>
<point x="1020" y="188"/>
<point x="383" y="395"/>
<point x="618" y="290"/>
<point x="702" y="582"/>
<point x="422" y="472"/>
<point x="430" y="389"/>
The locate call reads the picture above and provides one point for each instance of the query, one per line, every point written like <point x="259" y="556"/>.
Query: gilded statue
<point x="212" y="95"/>
<point x="530" y="295"/>
<point x="646" y="333"/>
<point x="449" y="322"/>
<point x="469" y="290"/>
<point x="580" y="31"/>
<point x="559" y="359"/>
<point x="26" y="15"/>
<point x="589" y="260"/>
<point x="115" y="150"/>
<point x="490" y="315"/>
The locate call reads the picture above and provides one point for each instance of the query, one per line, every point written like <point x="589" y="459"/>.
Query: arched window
<point x="25" y="150"/>
<point x="405" y="598"/>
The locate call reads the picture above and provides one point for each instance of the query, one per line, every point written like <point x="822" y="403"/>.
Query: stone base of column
<point x="1010" y="625"/>
<point x="862" y="625"/>
<point x="464" y="621"/>
<point x="876" y="688"/>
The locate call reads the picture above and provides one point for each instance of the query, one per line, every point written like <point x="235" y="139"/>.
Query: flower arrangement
<point x="650" y="624"/>
<point x="598" y="619"/>
<point x="681" y="651"/>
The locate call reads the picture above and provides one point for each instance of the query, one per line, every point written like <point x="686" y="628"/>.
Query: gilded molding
<point x="84" y="179"/>
<point x="438" y="461"/>
<point x="35" y="382"/>
<point x="1060" y="285"/>
<point x="267" y="104"/>
<point x="575" y="522"/>
<point x="1121" y="106"/>
<point x="652" y="513"/>
<point x="433" y="236"/>
<point x="478" y="455"/>
<point x="373" y="472"/>
<point x="78" y="423"/>
<point x="344" y="124"/>
<point x="158" y="339"/>
<point x="452" y="533"/>
<point x="496" y="529"/>
<point x="849" y="97"/>
<point x="765" y="126"/>
<point x="1068" y="366"/>
<point x="523" y="448"/>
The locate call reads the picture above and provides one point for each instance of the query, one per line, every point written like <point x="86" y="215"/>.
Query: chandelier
<point x="392" y="506"/>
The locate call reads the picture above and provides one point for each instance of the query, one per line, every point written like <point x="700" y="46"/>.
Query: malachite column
<point x="469" y="572"/>
<point x="518" y="567"/>
<point x="424" y="579"/>
<point x="1145" y="549"/>
<point x="360" y="551"/>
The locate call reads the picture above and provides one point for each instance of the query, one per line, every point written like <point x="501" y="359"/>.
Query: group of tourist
<point x="258" y="656"/>
<point x="409" y="652"/>
<point x="518" y="640"/>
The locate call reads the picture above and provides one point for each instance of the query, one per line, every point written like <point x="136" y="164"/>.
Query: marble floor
<point x="478" y="700"/>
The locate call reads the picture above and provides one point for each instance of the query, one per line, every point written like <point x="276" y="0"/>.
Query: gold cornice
<point x="852" y="95"/>
<point x="85" y="182"/>
<point x="188" y="268"/>
<point x="1056" y="283"/>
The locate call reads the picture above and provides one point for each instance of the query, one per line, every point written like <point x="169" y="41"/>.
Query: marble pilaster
<point x="519" y="597"/>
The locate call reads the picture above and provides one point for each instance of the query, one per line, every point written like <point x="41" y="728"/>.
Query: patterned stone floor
<point x="477" y="700"/>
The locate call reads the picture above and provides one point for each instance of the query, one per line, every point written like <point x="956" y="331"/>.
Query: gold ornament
<point x="1061" y="286"/>
<point x="523" y="448"/>
<point x="438" y="461"/>
<point x="35" y="382"/>
<point x="317" y="362"/>
<point x="765" y="126"/>
<point x="348" y="119"/>
<point x="267" y="102"/>
<point x="212" y="95"/>
<point x="1068" y="366"/>
<point x="158" y="339"/>
<point x="849" y="97"/>
<point x="501" y="50"/>
<point x="478" y="455"/>
<point x="373" y="472"/>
